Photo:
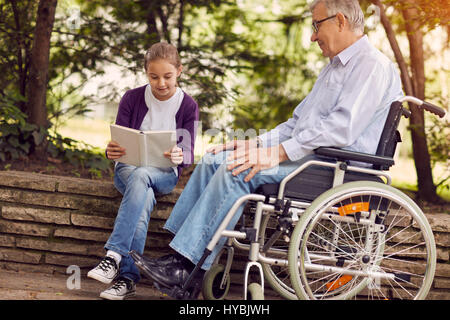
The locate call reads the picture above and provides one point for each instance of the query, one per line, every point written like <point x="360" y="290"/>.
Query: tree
<point x="112" y="32"/>
<point x="15" y="47"/>
<point x="216" y="39"/>
<point x="277" y="80"/>
<point x="38" y="76"/>
<point x="25" y="44"/>
<point x="25" y="34"/>
<point x="413" y="79"/>
<point x="119" y="32"/>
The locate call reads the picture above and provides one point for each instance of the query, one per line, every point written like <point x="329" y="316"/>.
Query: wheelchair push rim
<point x="383" y="249"/>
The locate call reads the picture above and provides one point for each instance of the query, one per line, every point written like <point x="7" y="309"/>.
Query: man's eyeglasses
<point x="315" y="24"/>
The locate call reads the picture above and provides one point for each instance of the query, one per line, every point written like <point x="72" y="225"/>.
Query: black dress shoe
<point x="170" y="275"/>
<point x="164" y="260"/>
<point x="161" y="261"/>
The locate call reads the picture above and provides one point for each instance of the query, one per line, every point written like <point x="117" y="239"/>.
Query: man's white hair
<point x="349" y="8"/>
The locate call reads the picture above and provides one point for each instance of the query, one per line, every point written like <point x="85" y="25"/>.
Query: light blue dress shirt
<point x="346" y="108"/>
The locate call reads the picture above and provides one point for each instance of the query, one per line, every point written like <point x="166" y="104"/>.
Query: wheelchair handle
<point x="424" y="105"/>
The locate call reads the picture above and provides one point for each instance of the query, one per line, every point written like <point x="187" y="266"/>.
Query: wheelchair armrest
<point x="347" y="155"/>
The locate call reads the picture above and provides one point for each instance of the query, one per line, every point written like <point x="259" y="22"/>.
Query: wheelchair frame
<point x="271" y="207"/>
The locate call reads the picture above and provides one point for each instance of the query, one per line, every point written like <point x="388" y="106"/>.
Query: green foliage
<point x="79" y="154"/>
<point x="119" y="32"/>
<point x="432" y="13"/>
<point x="438" y="134"/>
<point x="17" y="19"/>
<point x="18" y="138"/>
<point x="283" y="71"/>
<point x="16" y="135"/>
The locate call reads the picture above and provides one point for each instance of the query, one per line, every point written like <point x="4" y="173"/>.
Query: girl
<point x="159" y="105"/>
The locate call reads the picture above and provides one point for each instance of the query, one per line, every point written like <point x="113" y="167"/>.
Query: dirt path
<point x="39" y="286"/>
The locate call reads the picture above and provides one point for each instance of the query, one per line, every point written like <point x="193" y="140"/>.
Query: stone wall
<point x="48" y="223"/>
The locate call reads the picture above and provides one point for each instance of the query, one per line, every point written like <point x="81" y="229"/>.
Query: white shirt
<point x="161" y="114"/>
<point x="347" y="106"/>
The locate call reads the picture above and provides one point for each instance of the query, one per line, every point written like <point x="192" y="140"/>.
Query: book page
<point x="129" y="139"/>
<point x="144" y="148"/>
<point x="157" y="142"/>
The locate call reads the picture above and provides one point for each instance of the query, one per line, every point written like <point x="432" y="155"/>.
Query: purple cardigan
<point x="132" y="110"/>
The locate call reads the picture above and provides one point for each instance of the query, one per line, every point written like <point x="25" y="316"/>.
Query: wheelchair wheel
<point x="212" y="279"/>
<point x="255" y="292"/>
<point x="362" y="240"/>
<point x="275" y="274"/>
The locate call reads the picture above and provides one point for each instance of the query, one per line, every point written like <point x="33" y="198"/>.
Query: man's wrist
<point x="282" y="155"/>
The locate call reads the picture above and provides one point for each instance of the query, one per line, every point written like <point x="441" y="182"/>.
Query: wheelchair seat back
<point x="312" y="182"/>
<point x="390" y="136"/>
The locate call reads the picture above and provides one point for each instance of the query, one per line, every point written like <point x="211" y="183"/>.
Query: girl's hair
<point x="162" y="50"/>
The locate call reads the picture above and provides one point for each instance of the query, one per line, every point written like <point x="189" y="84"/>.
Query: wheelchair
<point x="330" y="230"/>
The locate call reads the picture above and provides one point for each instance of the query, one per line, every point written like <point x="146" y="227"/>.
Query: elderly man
<point x="346" y="108"/>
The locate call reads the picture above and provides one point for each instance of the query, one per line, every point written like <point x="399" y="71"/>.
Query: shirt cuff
<point x="268" y="139"/>
<point x="294" y="150"/>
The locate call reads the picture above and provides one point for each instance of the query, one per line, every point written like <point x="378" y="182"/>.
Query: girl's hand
<point x="175" y="155"/>
<point x="114" y="150"/>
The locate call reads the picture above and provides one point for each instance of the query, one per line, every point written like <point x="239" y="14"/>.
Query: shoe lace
<point x="107" y="263"/>
<point x="119" y="284"/>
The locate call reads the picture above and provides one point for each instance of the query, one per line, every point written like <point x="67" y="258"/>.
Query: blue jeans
<point x="138" y="186"/>
<point x="206" y="199"/>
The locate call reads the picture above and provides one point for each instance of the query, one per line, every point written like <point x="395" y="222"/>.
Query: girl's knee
<point x="140" y="173"/>
<point x="138" y="176"/>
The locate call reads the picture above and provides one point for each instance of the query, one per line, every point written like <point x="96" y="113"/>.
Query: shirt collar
<point x="345" y="55"/>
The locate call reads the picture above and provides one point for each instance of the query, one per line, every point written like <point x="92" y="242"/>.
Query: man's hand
<point x="255" y="158"/>
<point x="233" y="145"/>
<point x="175" y="155"/>
<point x="114" y="150"/>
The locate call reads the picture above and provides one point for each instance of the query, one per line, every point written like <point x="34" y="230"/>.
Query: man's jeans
<point x="138" y="187"/>
<point x="206" y="199"/>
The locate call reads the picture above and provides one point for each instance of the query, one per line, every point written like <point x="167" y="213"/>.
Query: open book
<point x="144" y="148"/>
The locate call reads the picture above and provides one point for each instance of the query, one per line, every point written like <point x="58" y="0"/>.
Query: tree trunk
<point x="152" y="28"/>
<point x="22" y="72"/>
<point x="180" y="25"/>
<point x="426" y="187"/>
<point x="413" y="86"/>
<point x="404" y="74"/>
<point x="38" y="77"/>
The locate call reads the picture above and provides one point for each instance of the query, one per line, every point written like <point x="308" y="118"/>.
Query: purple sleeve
<point x="123" y="117"/>
<point x="187" y="133"/>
